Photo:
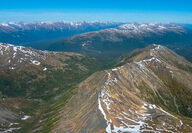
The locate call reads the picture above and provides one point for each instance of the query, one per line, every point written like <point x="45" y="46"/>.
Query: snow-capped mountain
<point x="149" y="28"/>
<point x="61" y="25"/>
<point x="25" y="33"/>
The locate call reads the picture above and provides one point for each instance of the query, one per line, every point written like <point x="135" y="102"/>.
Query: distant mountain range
<point x="28" y="33"/>
<point x="127" y="37"/>
<point x="98" y="38"/>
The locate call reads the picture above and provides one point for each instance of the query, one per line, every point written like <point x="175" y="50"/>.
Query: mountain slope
<point x="125" y="38"/>
<point x="149" y="92"/>
<point x="33" y="81"/>
<point x="16" y="113"/>
<point x="38" y="73"/>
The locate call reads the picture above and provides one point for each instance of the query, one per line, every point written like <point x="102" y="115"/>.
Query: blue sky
<point x="179" y="11"/>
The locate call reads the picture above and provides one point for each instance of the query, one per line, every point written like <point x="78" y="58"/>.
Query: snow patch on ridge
<point x="153" y="58"/>
<point x="10" y="130"/>
<point x="22" y="54"/>
<point x="108" y="128"/>
<point x="156" y="49"/>
<point x="135" y="121"/>
<point x="25" y="117"/>
<point x="110" y="80"/>
<point x="36" y="62"/>
<point x="45" y="69"/>
<point x="104" y="97"/>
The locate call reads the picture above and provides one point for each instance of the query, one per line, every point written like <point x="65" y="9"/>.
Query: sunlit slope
<point x="150" y="91"/>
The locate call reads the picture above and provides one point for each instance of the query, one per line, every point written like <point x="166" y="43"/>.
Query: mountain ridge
<point x="133" y="97"/>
